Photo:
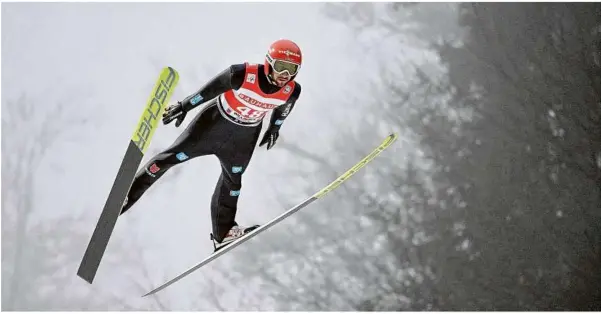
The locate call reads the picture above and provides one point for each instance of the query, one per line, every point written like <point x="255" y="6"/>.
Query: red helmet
<point x="283" y="55"/>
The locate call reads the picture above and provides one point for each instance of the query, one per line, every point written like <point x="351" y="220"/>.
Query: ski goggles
<point x="281" y="66"/>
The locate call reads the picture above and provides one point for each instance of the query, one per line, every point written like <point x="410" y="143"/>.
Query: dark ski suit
<point x="212" y="132"/>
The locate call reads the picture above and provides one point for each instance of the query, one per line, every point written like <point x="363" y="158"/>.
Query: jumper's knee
<point x="232" y="187"/>
<point x="160" y="164"/>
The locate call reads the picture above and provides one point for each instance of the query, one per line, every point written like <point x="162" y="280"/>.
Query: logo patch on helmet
<point x="289" y="53"/>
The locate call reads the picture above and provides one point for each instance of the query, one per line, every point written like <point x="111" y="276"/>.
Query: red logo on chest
<point x="255" y="102"/>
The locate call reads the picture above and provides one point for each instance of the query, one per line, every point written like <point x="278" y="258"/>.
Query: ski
<point x="136" y="149"/>
<point x="336" y="183"/>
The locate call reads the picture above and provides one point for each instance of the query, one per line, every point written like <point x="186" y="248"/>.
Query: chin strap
<point x="270" y="80"/>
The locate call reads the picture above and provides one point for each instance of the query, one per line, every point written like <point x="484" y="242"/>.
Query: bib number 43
<point x="249" y="113"/>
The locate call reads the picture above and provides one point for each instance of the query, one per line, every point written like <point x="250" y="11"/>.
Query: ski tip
<point x="171" y="69"/>
<point x="391" y="138"/>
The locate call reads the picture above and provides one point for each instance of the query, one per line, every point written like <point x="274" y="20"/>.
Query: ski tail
<point x="330" y="187"/>
<point x="138" y="144"/>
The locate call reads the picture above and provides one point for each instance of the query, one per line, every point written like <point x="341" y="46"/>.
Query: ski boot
<point x="123" y="206"/>
<point x="234" y="234"/>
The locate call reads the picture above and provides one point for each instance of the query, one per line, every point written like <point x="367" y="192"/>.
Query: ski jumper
<point x="228" y="126"/>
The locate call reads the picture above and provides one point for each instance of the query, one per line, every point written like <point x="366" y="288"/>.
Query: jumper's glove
<point x="174" y="111"/>
<point x="270" y="137"/>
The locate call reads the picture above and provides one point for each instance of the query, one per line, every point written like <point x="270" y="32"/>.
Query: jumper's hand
<point x="173" y="112"/>
<point x="269" y="138"/>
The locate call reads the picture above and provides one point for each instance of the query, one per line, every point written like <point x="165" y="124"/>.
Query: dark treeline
<point x="529" y="176"/>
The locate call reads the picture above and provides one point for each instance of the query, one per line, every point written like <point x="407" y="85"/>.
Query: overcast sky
<point x="101" y="61"/>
